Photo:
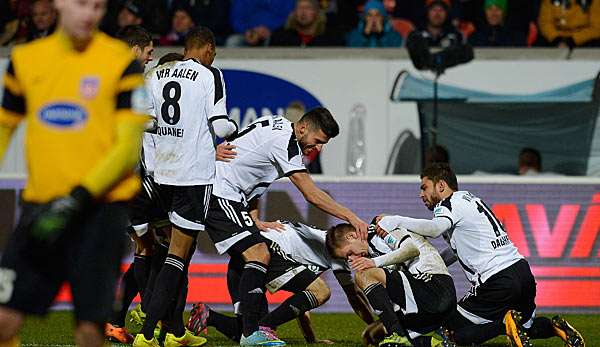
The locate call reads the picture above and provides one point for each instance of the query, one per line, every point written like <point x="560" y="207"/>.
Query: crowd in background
<point x="353" y="23"/>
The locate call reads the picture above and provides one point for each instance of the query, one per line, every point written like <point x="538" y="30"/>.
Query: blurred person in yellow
<point x="82" y="96"/>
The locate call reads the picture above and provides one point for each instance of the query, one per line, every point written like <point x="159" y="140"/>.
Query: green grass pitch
<point x="343" y="329"/>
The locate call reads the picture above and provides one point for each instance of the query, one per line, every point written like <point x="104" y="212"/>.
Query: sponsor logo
<point x="251" y="95"/>
<point x="63" y="115"/>
<point x="88" y="87"/>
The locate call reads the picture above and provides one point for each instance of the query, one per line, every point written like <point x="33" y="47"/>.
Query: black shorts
<point x="88" y="257"/>
<point x="422" y="302"/>
<point x="147" y="207"/>
<point x="510" y="289"/>
<point x="231" y="228"/>
<point x="187" y="206"/>
<point x="284" y="273"/>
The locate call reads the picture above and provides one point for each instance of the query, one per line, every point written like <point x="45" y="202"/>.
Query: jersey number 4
<point x="171" y="102"/>
<point x="496" y="225"/>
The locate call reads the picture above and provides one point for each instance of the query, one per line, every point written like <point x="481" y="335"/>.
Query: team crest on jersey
<point x="438" y="211"/>
<point x="88" y="87"/>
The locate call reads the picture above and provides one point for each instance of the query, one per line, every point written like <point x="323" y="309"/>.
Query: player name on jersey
<point x="501" y="241"/>
<point x="169" y="131"/>
<point x="190" y="74"/>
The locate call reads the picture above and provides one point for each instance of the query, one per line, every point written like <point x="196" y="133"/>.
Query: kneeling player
<point x="298" y="258"/>
<point x="403" y="277"/>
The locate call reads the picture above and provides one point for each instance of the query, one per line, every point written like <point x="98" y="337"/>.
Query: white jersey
<point x="186" y="96"/>
<point x="306" y="246"/>
<point x="476" y="236"/>
<point x="266" y="151"/>
<point x="428" y="261"/>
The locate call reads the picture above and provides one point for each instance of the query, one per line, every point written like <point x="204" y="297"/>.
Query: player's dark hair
<point x="530" y="157"/>
<point x="336" y="236"/>
<point x="169" y="57"/>
<point x="321" y="118"/>
<point x="441" y="171"/>
<point x="199" y="37"/>
<point x="135" y="35"/>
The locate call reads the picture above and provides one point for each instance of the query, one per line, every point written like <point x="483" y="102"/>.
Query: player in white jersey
<point x="268" y="149"/>
<point x="502" y="297"/>
<point x="298" y="258"/>
<point x="189" y="102"/>
<point x="403" y="277"/>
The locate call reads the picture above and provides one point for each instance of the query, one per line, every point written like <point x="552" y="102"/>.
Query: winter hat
<point x="445" y="3"/>
<point x="499" y="3"/>
<point x="377" y="5"/>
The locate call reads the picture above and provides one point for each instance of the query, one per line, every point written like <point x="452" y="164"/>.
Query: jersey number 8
<point x="171" y="102"/>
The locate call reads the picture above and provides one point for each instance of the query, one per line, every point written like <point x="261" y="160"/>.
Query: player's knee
<point x="11" y="322"/>
<point x="367" y="277"/>
<point x="259" y="253"/>
<point x="320" y="290"/>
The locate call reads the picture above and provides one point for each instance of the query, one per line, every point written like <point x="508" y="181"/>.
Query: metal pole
<point x="434" y="123"/>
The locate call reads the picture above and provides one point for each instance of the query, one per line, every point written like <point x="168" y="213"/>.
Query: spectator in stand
<point x="8" y="23"/>
<point x="519" y="14"/>
<point x="374" y="28"/>
<point x="416" y="10"/>
<point x="43" y="20"/>
<point x="439" y="30"/>
<point x="254" y="20"/>
<point x="306" y="26"/>
<point x="530" y="162"/>
<point x="570" y="23"/>
<point x="494" y="32"/>
<point x="213" y="14"/>
<point x="181" y="24"/>
<point x="131" y="13"/>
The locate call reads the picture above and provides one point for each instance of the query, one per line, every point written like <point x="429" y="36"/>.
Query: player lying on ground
<point x="502" y="297"/>
<point x="298" y="258"/>
<point x="403" y="277"/>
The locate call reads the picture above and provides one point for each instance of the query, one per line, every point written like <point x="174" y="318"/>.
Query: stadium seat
<point x="532" y="34"/>
<point x="402" y="26"/>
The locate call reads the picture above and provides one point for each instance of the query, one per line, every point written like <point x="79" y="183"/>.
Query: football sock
<point x="479" y="333"/>
<point x="128" y="291"/>
<point x="157" y="262"/>
<point x="142" y="264"/>
<point x="165" y="291"/>
<point x="380" y="301"/>
<point x="290" y="309"/>
<point x="541" y="328"/>
<point x="251" y="290"/>
<point x="422" y="341"/>
<point x="176" y="316"/>
<point x="234" y="273"/>
<point x="226" y="325"/>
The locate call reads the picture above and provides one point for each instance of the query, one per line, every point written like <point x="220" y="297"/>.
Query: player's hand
<point x="59" y="214"/>
<point x="361" y="263"/>
<point x="265" y="226"/>
<point x="361" y="227"/>
<point x="225" y="152"/>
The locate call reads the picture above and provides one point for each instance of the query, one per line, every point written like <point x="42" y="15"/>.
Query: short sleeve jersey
<point x="186" y="97"/>
<point x="428" y="261"/>
<point x="477" y="237"/>
<point x="306" y="245"/>
<point x="266" y="151"/>
<point x="72" y="102"/>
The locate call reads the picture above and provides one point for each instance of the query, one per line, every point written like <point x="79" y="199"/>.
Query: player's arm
<point x="308" y="332"/>
<point x="324" y="202"/>
<point x="356" y="298"/>
<point x="223" y="126"/>
<point x="121" y="158"/>
<point x="253" y="206"/>
<point x="13" y="108"/>
<point x="424" y="227"/>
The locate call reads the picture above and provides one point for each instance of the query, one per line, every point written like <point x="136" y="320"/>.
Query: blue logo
<point x="63" y="115"/>
<point x="251" y="95"/>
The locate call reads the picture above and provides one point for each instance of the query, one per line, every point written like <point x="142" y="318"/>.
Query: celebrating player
<point x="189" y="99"/>
<point x="81" y="93"/>
<point x="503" y="288"/>
<point x="298" y="258"/>
<point x="402" y="275"/>
<point x="268" y="149"/>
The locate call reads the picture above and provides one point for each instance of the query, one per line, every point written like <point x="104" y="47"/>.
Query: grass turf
<point x="343" y="329"/>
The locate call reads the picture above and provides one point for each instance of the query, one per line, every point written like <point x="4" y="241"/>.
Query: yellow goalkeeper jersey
<point x="72" y="102"/>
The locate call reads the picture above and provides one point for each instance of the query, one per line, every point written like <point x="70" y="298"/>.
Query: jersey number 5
<point x="496" y="225"/>
<point x="171" y="102"/>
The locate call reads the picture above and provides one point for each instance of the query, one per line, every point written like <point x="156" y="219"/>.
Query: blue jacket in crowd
<point x="248" y="14"/>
